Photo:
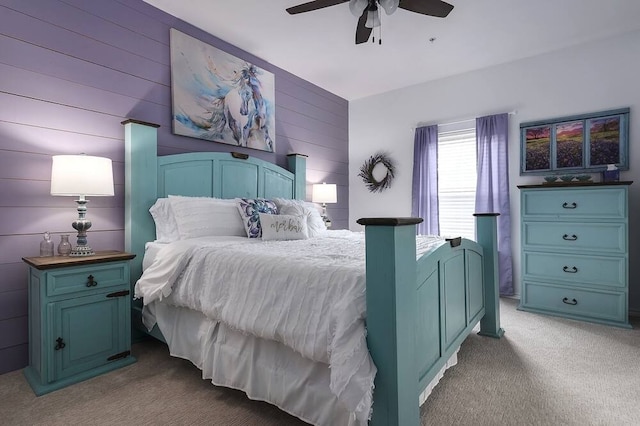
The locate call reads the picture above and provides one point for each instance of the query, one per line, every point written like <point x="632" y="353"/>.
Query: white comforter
<point x="306" y="294"/>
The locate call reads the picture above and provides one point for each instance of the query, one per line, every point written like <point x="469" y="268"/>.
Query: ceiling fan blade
<point x="362" y="33"/>
<point x="436" y="8"/>
<point x="313" y="5"/>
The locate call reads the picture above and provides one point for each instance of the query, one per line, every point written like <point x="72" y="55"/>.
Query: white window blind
<point x="457" y="171"/>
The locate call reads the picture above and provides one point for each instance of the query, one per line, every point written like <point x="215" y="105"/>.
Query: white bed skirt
<point x="265" y="370"/>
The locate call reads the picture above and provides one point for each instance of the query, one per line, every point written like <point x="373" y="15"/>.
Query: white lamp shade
<point x="81" y="175"/>
<point x="324" y="193"/>
<point x="373" y="19"/>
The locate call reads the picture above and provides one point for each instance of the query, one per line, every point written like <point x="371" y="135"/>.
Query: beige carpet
<point x="545" y="371"/>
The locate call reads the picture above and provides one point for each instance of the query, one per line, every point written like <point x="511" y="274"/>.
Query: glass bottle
<point x="46" y="245"/>
<point x="64" y="248"/>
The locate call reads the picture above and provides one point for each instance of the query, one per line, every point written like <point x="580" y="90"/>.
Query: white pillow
<point x="206" y="217"/>
<point x="315" y="220"/>
<point x="166" y="226"/>
<point x="283" y="227"/>
<point x="315" y="225"/>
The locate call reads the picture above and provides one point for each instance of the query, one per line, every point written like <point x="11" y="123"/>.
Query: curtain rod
<point x="514" y="112"/>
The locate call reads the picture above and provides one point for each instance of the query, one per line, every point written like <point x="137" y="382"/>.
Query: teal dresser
<point x="79" y="318"/>
<point x="575" y="255"/>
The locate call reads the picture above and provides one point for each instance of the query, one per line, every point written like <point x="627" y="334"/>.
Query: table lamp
<point x="81" y="176"/>
<point x="324" y="193"/>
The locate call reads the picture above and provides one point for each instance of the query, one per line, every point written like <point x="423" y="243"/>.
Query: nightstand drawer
<point x="576" y="270"/>
<point x="87" y="278"/>
<point x="579" y="303"/>
<point x="576" y="204"/>
<point x="575" y="237"/>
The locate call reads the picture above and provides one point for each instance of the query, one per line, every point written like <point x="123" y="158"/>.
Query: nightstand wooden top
<point x="51" y="262"/>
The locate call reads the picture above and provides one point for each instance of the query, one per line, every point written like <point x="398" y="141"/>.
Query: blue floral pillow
<point x="250" y="209"/>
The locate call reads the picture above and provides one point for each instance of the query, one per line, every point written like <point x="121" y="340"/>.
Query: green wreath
<point x="366" y="172"/>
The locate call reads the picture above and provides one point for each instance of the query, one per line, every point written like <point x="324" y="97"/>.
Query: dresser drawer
<point x="578" y="203"/>
<point x="574" y="237"/>
<point x="578" y="303"/>
<point x="87" y="278"/>
<point x="576" y="270"/>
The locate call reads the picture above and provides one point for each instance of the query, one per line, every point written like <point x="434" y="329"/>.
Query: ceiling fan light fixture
<point x="389" y="6"/>
<point x="369" y="16"/>
<point x="373" y="18"/>
<point x="357" y="7"/>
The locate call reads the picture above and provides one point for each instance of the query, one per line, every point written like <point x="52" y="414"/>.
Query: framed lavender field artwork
<point x="569" y="145"/>
<point x="604" y="140"/>
<point x="538" y="148"/>
<point x="584" y="143"/>
<point x="219" y="97"/>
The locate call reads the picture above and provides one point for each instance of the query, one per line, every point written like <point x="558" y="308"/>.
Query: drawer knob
<point x="91" y="282"/>
<point x="569" y="206"/>
<point x="570" y="302"/>
<point x="570" y="238"/>
<point x="59" y="344"/>
<point x="571" y="270"/>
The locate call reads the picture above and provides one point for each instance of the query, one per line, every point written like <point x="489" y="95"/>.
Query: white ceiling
<point x="319" y="46"/>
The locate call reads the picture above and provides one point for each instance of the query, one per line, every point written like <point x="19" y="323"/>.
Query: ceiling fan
<point x="369" y="13"/>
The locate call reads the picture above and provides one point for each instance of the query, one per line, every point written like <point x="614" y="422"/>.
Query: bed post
<point x="487" y="237"/>
<point x="391" y="311"/>
<point x="297" y="164"/>
<point x="141" y="187"/>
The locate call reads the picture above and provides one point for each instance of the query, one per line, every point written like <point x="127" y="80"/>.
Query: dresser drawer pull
<point x="59" y="344"/>
<point x="569" y="206"/>
<point x="570" y="302"/>
<point x="91" y="282"/>
<point x="570" y="238"/>
<point x="571" y="270"/>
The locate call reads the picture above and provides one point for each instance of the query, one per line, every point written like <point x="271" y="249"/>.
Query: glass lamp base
<point x="82" y="251"/>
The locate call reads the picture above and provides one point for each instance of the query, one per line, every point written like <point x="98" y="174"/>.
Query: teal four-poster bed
<point x="418" y="312"/>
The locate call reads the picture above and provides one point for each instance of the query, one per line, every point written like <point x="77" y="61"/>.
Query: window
<point x="457" y="175"/>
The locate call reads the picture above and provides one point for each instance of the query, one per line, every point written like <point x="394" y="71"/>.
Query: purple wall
<point x="70" y="72"/>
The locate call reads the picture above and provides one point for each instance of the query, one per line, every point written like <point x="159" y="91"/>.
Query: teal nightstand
<point x="79" y="318"/>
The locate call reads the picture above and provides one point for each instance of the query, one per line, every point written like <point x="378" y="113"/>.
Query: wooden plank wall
<point x="71" y="71"/>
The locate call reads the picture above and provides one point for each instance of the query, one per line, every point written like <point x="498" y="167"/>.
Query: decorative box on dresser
<point x="79" y="318"/>
<point x="575" y="257"/>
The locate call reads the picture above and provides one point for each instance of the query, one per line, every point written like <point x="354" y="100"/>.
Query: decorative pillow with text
<point x="283" y="227"/>
<point x="315" y="225"/>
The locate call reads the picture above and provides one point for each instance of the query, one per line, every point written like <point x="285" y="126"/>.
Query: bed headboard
<point x="204" y="174"/>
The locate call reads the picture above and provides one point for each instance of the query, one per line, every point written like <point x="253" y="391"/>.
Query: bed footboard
<point x="420" y="311"/>
<point x="487" y="236"/>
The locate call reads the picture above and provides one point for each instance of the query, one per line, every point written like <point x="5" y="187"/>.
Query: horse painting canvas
<point x="219" y="97"/>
